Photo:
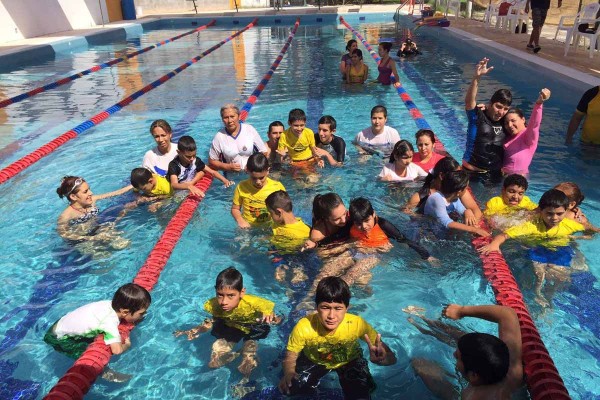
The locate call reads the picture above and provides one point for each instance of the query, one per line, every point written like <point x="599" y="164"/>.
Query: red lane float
<point x="95" y="68"/>
<point x="543" y="379"/>
<point x="79" y="378"/>
<point x="25" y="162"/>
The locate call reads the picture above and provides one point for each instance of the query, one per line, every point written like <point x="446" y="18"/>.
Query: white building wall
<point x="21" y="19"/>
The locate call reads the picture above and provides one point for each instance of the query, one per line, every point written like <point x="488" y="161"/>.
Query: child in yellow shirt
<point x="298" y="141"/>
<point x="289" y="232"/>
<point x="329" y="341"/>
<point x="236" y="316"/>
<point x="249" y="206"/>
<point x="549" y="232"/>
<point x="512" y="207"/>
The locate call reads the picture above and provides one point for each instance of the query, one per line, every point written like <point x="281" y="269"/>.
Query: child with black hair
<point x="447" y="200"/>
<point x="186" y="169"/>
<point x="576" y="197"/>
<point x="491" y="365"/>
<point x="512" y="207"/>
<point x="289" y="232"/>
<point x="549" y="232"/>
<point x="149" y="184"/>
<point x="372" y="233"/>
<point x="328" y="341"/>
<point x="401" y="168"/>
<point x="379" y="137"/>
<point x="298" y="141"/>
<point x="236" y="316"/>
<point x="72" y="334"/>
<point x="330" y="146"/>
<point x="433" y="183"/>
<point x="248" y="207"/>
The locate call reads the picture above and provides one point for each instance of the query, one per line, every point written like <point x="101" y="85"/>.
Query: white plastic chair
<point x="567" y="22"/>
<point x="516" y="16"/>
<point x="453" y="6"/>
<point x="592" y="37"/>
<point x="491" y="12"/>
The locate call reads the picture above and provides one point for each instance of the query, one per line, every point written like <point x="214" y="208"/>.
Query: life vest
<point x="375" y="238"/>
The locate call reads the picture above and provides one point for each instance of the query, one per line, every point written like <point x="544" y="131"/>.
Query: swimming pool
<point x="44" y="278"/>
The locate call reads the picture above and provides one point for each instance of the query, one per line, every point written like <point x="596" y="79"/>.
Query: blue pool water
<point x="44" y="278"/>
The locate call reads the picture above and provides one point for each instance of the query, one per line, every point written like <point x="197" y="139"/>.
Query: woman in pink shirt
<point x="426" y="158"/>
<point x="522" y="139"/>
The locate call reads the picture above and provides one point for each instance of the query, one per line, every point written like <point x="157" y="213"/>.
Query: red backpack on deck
<point x="503" y="9"/>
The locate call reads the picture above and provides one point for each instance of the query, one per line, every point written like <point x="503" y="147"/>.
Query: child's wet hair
<point x="323" y="204"/>
<point x="358" y="52"/>
<point x="274" y="124"/>
<point x="572" y="191"/>
<point x="502" y="96"/>
<point x="386" y="46"/>
<point x="139" y="177"/>
<point x="328" y="119"/>
<point x="350" y="43"/>
<point x="131" y="297"/>
<point x="442" y="167"/>
<point x="554" y="198"/>
<point x="69" y="185"/>
<point x="160" y="123"/>
<point x="401" y="148"/>
<point x="379" y="109"/>
<point x="425" y="132"/>
<point x="486" y="355"/>
<point x="517" y="180"/>
<point x="360" y="210"/>
<point x="296" y="115"/>
<point x="186" y="143"/>
<point x="332" y="289"/>
<point x="229" y="278"/>
<point x="279" y="199"/>
<point x="454" y="181"/>
<point x="257" y="162"/>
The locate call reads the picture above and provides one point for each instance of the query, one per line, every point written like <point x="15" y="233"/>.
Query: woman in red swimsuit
<point x="387" y="66"/>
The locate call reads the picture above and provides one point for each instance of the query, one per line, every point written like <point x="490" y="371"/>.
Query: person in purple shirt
<point x="522" y="138"/>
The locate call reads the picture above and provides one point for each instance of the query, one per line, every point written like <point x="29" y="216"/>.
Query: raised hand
<point x="482" y="68"/>
<point x="376" y="351"/>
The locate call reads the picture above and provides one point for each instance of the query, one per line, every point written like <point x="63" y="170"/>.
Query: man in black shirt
<point x="329" y="146"/>
<point x="539" y="10"/>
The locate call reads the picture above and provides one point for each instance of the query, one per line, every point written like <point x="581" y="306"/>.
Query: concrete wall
<point x="153" y="7"/>
<point x="21" y="19"/>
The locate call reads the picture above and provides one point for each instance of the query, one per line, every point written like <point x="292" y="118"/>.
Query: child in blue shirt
<point x="447" y="200"/>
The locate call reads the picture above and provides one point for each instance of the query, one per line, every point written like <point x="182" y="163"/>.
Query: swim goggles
<point x="78" y="182"/>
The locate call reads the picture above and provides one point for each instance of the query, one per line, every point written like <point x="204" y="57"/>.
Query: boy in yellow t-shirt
<point x="150" y="184"/>
<point x="298" y="141"/>
<point x="328" y="340"/>
<point x="550" y="233"/>
<point x="236" y="316"/>
<point x="249" y="206"/>
<point x="289" y="232"/>
<point x="512" y="207"/>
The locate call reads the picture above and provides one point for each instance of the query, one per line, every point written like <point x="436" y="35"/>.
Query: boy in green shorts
<point x="328" y="340"/>
<point x="73" y="333"/>
<point x="298" y="142"/>
<point x="551" y="233"/>
<point x="248" y="206"/>
<point x="236" y="316"/>
<point x="289" y="232"/>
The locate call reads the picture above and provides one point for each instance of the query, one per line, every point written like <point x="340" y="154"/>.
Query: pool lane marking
<point x="13" y="169"/>
<point x="543" y="379"/>
<point x="78" y="379"/>
<point x="96" y="68"/>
